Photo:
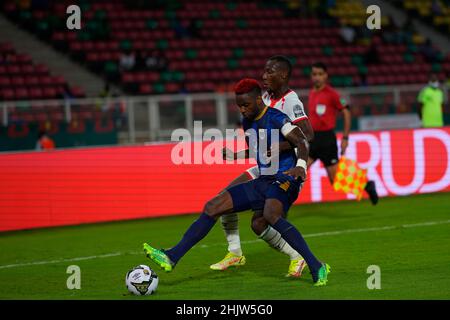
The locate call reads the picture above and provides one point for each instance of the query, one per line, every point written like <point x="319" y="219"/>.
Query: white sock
<point x="274" y="239"/>
<point x="231" y="229"/>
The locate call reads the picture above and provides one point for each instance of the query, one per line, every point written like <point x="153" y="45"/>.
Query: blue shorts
<point x="253" y="194"/>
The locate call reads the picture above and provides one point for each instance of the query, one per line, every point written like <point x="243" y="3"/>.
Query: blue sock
<point x="294" y="238"/>
<point x="196" y="232"/>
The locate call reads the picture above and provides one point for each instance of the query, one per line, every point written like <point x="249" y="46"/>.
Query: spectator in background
<point x="152" y="61"/>
<point x="194" y="28"/>
<point x="141" y="59"/>
<point x="66" y="93"/>
<point x="292" y="8"/>
<point x="183" y="88"/>
<point x="436" y="8"/>
<point x="118" y="110"/>
<point x="157" y="61"/>
<point x="407" y="31"/>
<point x="430" y="53"/>
<point x="409" y="25"/>
<point x="180" y="31"/>
<point x="127" y="60"/>
<point x="163" y="63"/>
<point x="392" y="33"/>
<point x="102" y="103"/>
<point x="106" y="91"/>
<point x="347" y="33"/>
<point x="372" y="55"/>
<point x="5" y="58"/>
<point x="431" y="99"/>
<point x="44" y="141"/>
<point x="40" y="4"/>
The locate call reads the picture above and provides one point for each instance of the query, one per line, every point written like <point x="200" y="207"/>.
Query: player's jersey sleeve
<point x="279" y="119"/>
<point x="294" y="109"/>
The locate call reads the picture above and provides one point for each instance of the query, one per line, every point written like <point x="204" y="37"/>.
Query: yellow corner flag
<point x="350" y="178"/>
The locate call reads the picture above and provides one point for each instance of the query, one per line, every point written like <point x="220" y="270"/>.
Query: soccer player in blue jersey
<point x="273" y="191"/>
<point x="275" y="78"/>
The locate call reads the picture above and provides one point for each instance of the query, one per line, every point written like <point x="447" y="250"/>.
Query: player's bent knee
<point x="271" y="218"/>
<point x="273" y="210"/>
<point x="211" y="209"/>
<point x="219" y="205"/>
<point x="259" y="225"/>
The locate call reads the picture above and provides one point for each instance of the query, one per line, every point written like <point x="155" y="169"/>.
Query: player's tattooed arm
<point x="298" y="139"/>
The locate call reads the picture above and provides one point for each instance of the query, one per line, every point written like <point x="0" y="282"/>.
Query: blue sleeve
<point x="279" y="119"/>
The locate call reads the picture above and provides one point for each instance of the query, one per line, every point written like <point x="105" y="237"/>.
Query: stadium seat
<point x="236" y="38"/>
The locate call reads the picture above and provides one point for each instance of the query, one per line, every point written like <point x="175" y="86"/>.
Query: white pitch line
<point x="430" y="223"/>
<point x="339" y="232"/>
<point x="321" y="234"/>
<point x="36" y="263"/>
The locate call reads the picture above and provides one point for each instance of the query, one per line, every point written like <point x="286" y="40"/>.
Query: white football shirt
<point x="289" y="104"/>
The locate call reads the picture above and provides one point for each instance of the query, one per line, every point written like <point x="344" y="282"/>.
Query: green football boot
<point x="159" y="257"/>
<point x="322" y="275"/>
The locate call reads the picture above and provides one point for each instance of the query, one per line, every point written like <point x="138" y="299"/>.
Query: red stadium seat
<point x="77" y="92"/>
<point x="145" y="88"/>
<point x="32" y="81"/>
<point x="13" y="69"/>
<point x="28" y="69"/>
<point x="41" y="69"/>
<point x="21" y="93"/>
<point x="7" y="94"/>
<point x="264" y="33"/>
<point x="49" y="92"/>
<point x="36" y="93"/>
<point x="5" y="81"/>
<point x="46" y="80"/>
<point x="17" y="81"/>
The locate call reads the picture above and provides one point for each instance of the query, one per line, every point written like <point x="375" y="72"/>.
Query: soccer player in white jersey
<point x="277" y="72"/>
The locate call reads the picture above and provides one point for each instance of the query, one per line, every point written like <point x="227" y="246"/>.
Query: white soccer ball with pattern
<point x="141" y="280"/>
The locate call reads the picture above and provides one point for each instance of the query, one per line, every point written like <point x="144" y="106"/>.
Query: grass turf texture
<point x="414" y="261"/>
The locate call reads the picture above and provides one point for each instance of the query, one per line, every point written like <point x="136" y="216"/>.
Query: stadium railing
<point x="153" y="118"/>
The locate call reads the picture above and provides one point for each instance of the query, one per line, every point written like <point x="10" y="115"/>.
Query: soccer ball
<point x="141" y="280"/>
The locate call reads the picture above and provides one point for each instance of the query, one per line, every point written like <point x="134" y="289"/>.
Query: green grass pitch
<point x="407" y="237"/>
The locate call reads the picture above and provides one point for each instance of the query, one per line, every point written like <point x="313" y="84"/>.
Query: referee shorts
<point x="324" y="147"/>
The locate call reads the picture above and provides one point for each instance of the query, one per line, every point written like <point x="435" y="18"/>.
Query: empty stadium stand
<point x="206" y="46"/>
<point x="21" y="79"/>
<point x="210" y="45"/>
